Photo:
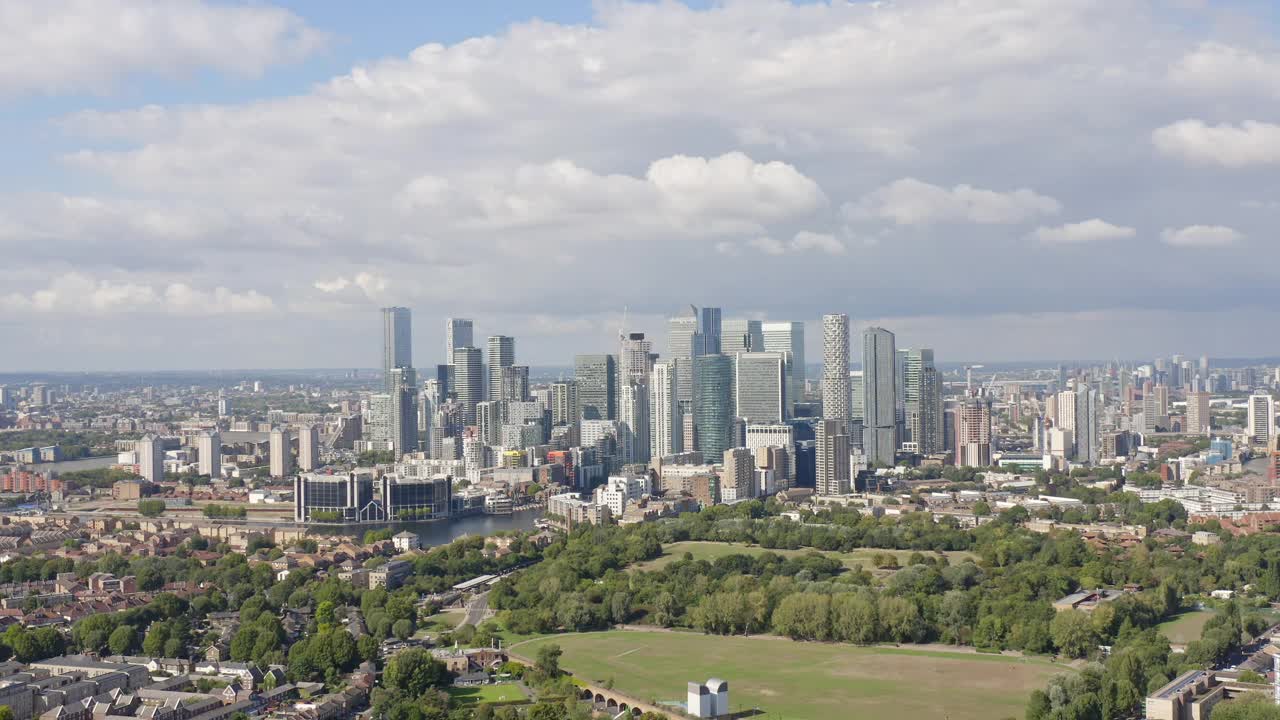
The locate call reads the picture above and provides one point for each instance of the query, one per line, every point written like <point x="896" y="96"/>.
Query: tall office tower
<point x="397" y="341"/>
<point x="1062" y="377"/>
<point x="468" y="381"/>
<point x="489" y="422"/>
<point x="502" y="354"/>
<point x="150" y="452"/>
<point x="760" y="387"/>
<point x="597" y="377"/>
<point x="666" y="435"/>
<point x="564" y="402"/>
<point x="1262" y="418"/>
<point x="404" y="410"/>
<point x="973" y="430"/>
<point x="835" y="367"/>
<point x="281" y="453"/>
<point x="1188" y="374"/>
<point x="513" y="383"/>
<point x="633" y="421"/>
<point x="684" y="343"/>
<point x="1204" y="367"/>
<point x="458" y="333"/>
<point x="713" y="403"/>
<point x="922" y="401"/>
<point x="738" y="479"/>
<point x="831" y="455"/>
<point x="709" y="326"/>
<point x="309" y="448"/>
<point x="9" y="399"/>
<point x="857" y="398"/>
<point x="880" y="407"/>
<point x="1175" y="371"/>
<point x="209" y="453"/>
<point x="1162" y="400"/>
<point x="635" y="358"/>
<point x="741" y="335"/>
<point x="788" y="337"/>
<point x="1199" y="416"/>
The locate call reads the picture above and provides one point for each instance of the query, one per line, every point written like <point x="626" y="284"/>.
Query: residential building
<point x="281" y="451"/>
<point x="665" y="431"/>
<point x="502" y="354"/>
<point x="635" y="359"/>
<point x="209" y="453"/>
<point x="397" y="341"/>
<point x="1261" y="418"/>
<point x="150" y="451"/>
<point x="973" y="430"/>
<point x="309" y="447"/>
<point x="737" y="480"/>
<point x="596" y="377"/>
<point x="458" y="333"/>
<point x="835" y="367"/>
<point x="831" y="453"/>
<point x="879" y="358"/>
<point x="922" y="401"/>
<point x="1199" y="416"/>
<point x="468" y="381"/>
<point x="633" y="420"/>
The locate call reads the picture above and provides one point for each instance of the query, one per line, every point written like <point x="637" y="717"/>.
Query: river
<point x="62" y="466"/>
<point x="443" y="532"/>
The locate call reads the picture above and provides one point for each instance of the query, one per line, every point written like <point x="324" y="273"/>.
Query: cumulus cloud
<point x="1094" y="230"/>
<point x="79" y="294"/>
<point x="1216" y="68"/>
<point x="912" y="202"/>
<point x="768" y="245"/>
<point x="1200" y="236"/>
<point x="806" y="240"/>
<point x="55" y="46"/>
<point x="1233" y="146"/>
<point x="371" y="284"/>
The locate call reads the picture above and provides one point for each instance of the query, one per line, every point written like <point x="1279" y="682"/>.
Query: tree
<point x="402" y="628"/>
<point x="414" y="671"/>
<point x="1072" y="633"/>
<point x="1250" y="706"/>
<point x="547" y="661"/>
<point x="123" y="639"/>
<point x="151" y="508"/>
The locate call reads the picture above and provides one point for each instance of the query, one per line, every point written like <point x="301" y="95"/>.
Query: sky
<point x="191" y="184"/>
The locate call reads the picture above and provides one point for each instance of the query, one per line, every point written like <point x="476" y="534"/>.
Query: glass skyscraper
<point x="713" y="404"/>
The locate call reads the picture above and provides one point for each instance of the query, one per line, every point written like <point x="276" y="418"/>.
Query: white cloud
<point x="55" y="46"/>
<point x="1250" y="143"/>
<point x="806" y="240"/>
<point x="1218" y="68"/>
<point x="1083" y="232"/>
<point x="767" y="245"/>
<point x="79" y="294"/>
<point x="912" y="202"/>
<point x="1200" y="236"/>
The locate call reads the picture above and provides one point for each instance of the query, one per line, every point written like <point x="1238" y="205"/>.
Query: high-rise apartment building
<point x="713" y="403"/>
<point x="403" y="422"/>
<point x="835" y="367"/>
<point x="513" y="384"/>
<point x="209" y="453"/>
<point x="857" y="398"/>
<point x="1261" y="418"/>
<point x="397" y="341"/>
<point x="597" y="377"/>
<point x="973" y="431"/>
<point x="281" y="450"/>
<point x="150" y="452"/>
<point x="788" y="337"/>
<point x="760" y="387"/>
<point x="564" y="403"/>
<point x="309" y="448"/>
<point x="635" y="358"/>
<point x="489" y="422"/>
<point x="458" y="333"/>
<point x="831" y="454"/>
<point x="1199" y="416"/>
<point x="922" y="401"/>
<point x="633" y="421"/>
<point x="468" y="381"/>
<point x="879" y="360"/>
<point x="665" y="431"/>
<point x="502" y="355"/>
<point x="737" y="480"/>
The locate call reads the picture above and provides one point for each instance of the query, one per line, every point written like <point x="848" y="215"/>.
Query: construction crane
<point x="968" y="377"/>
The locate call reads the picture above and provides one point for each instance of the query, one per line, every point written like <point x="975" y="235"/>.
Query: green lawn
<point x="705" y="550"/>
<point x="788" y="679"/>
<point x="502" y="692"/>
<point x="1186" y="626"/>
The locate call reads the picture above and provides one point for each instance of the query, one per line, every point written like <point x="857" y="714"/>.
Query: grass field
<point x="788" y="679"/>
<point x="704" y="550"/>
<point x="1186" y="626"/>
<point x="502" y="692"/>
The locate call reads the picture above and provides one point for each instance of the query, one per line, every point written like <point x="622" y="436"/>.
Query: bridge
<point x="616" y="703"/>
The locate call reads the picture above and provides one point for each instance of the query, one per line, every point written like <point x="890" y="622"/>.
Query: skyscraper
<point x="502" y="354"/>
<point x="1199" y="415"/>
<point x="281" y="449"/>
<point x="880" y="406"/>
<point x="788" y="337"/>
<point x="513" y="383"/>
<point x="973" y="430"/>
<point x="922" y="401"/>
<point x="457" y="334"/>
<point x="684" y="342"/>
<point x="835" y="367"/>
<point x="564" y="402"/>
<point x="1262" y="418"/>
<point x="713" y="404"/>
<point x="397" y="341"/>
<point x="468" y="381"/>
<point x="596" y="377"/>
<point x="633" y="421"/>
<point x="760" y="387"/>
<point x="403" y="422"/>
<point x="309" y="448"/>
<point x="857" y="399"/>
<point x="635" y="358"/>
<point x="740" y="335"/>
<point x="831" y="453"/>
<point x="209" y="453"/>
<point x="710" y="329"/>
<point x="150" y="452"/>
<point x="665" y="431"/>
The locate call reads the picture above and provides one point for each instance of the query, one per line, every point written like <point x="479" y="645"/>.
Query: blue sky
<point x="993" y="178"/>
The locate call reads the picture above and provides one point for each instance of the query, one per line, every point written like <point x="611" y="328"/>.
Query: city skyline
<point x="140" y="203"/>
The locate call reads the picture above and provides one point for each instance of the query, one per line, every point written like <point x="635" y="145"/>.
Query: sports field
<point x="1186" y="626"/>
<point x="787" y="679"/>
<point x="705" y="550"/>
<point x="502" y="692"/>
